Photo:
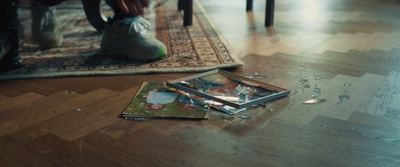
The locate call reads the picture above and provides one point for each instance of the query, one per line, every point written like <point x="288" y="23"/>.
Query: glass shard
<point x="228" y="109"/>
<point x="302" y="80"/>
<point x="314" y="101"/>
<point x="343" y="98"/>
<point x="255" y="76"/>
<point x="316" y="94"/>
<point x="69" y="92"/>
<point x="317" y="89"/>
<point x="245" y="116"/>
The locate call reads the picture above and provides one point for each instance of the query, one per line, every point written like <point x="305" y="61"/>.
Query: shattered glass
<point x="246" y="116"/>
<point x="343" y="98"/>
<point x="314" y="101"/>
<point x="229" y="109"/>
<point x="234" y="93"/>
<point x="302" y="80"/>
<point x="69" y="92"/>
<point x="315" y="94"/>
<point x="256" y="75"/>
<point x="317" y="89"/>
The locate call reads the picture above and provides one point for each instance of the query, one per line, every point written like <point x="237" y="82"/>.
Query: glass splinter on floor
<point x="69" y="92"/>
<point x="315" y="94"/>
<point x="317" y="89"/>
<point x="256" y="75"/>
<point x="302" y="80"/>
<point x="347" y="84"/>
<point x="343" y="98"/>
<point x="245" y="116"/>
<point x="140" y="119"/>
<point x="314" y="101"/>
<point x="319" y="77"/>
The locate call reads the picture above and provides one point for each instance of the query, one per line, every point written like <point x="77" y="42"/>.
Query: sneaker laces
<point x="138" y="24"/>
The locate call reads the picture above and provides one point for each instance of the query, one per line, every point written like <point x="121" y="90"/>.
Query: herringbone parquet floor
<point x="356" y="42"/>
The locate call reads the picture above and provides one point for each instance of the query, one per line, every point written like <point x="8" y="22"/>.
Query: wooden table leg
<point x="269" y="13"/>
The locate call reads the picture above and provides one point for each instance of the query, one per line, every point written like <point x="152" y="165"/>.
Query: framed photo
<point x="228" y="88"/>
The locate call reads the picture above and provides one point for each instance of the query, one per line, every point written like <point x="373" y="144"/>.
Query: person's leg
<point x="129" y="36"/>
<point x="46" y="29"/>
<point x="11" y="33"/>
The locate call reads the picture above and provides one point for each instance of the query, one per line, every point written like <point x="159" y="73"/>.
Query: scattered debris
<point x="315" y="94"/>
<point x="228" y="116"/>
<point x="80" y="146"/>
<point x="140" y="118"/>
<point x="264" y="105"/>
<point x="343" y="98"/>
<point x="314" y="101"/>
<point x="229" y="109"/>
<point x="347" y="84"/>
<point x="302" y="80"/>
<point x="69" y="92"/>
<point x="79" y="109"/>
<point x="246" y="116"/>
<point x="234" y="91"/>
<point x="256" y="75"/>
<point x="319" y="77"/>
<point x="316" y="89"/>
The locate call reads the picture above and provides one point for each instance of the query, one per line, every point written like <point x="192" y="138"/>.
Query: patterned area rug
<point x="195" y="48"/>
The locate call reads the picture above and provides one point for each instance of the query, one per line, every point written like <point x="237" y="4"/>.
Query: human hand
<point x="133" y="7"/>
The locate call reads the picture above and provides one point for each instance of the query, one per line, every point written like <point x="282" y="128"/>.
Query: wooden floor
<point x="356" y="42"/>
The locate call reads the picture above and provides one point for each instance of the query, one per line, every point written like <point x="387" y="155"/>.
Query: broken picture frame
<point x="228" y="88"/>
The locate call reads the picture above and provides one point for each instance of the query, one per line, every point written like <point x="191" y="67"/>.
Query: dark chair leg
<point x="269" y="13"/>
<point x="180" y="4"/>
<point x="188" y="12"/>
<point x="249" y="5"/>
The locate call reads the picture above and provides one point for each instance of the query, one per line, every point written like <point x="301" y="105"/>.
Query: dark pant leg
<point x="8" y="15"/>
<point x="11" y="34"/>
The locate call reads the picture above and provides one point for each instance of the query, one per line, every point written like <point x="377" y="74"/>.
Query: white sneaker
<point x="46" y="29"/>
<point x="130" y="37"/>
